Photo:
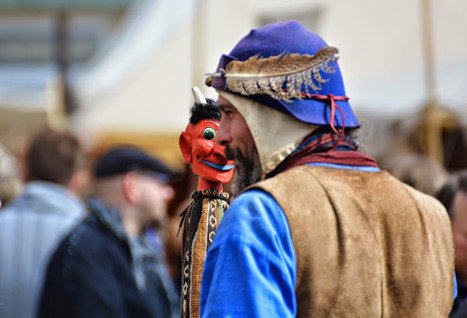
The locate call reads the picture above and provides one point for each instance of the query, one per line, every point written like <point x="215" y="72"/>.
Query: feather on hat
<point x="270" y="75"/>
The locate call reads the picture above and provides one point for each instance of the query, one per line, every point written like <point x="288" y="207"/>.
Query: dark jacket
<point x="459" y="308"/>
<point x="92" y="274"/>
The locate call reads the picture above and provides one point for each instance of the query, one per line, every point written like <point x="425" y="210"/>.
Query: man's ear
<point x="79" y="182"/>
<point x="185" y="146"/>
<point x="25" y="174"/>
<point x="129" y="187"/>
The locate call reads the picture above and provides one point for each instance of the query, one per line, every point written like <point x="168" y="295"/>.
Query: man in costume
<point x="318" y="230"/>
<point x="201" y="218"/>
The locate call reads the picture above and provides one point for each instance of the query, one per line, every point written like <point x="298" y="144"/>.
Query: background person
<point x="33" y="224"/>
<point x="454" y="197"/>
<point x="106" y="267"/>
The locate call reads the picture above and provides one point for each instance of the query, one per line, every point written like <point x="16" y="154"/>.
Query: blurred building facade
<point x="34" y="38"/>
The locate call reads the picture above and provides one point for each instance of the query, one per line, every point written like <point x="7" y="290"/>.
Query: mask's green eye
<point x="209" y="133"/>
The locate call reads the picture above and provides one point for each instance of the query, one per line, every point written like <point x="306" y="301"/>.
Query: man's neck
<point x="132" y="226"/>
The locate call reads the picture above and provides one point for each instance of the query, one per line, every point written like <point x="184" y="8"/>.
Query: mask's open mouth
<point x="218" y="166"/>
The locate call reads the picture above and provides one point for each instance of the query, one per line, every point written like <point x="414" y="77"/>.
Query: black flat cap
<point x="121" y="160"/>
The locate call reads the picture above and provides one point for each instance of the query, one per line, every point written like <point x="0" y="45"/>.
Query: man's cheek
<point x="230" y="153"/>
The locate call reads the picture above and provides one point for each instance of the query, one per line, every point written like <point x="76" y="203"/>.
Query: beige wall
<point x="381" y="58"/>
<point x="153" y="97"/>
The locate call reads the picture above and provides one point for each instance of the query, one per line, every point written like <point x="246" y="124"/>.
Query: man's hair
<point x="456" y="183"/>
<point x="351" y="133"/>
<point x="54" y="157"/>
<point x="205" y="111"/>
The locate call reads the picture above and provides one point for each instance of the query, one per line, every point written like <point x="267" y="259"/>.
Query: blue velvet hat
<point x="278" y="42"/>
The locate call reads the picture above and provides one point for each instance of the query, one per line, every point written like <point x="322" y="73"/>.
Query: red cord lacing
<point x="334" y="106"/>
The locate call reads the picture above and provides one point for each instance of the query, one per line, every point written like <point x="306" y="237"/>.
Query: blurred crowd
<point x="82" y="237"/>
<point x="93" y="238"/>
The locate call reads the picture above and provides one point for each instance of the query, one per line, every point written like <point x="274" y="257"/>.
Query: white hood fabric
<point x="275" y="134"/>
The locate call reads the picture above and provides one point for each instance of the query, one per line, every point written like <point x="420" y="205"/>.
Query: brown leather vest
<point x="366" y="244"/>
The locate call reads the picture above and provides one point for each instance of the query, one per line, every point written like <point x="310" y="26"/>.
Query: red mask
<point x="207" y="158"/>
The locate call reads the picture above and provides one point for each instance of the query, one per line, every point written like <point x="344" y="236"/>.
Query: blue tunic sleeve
<point x="250" y="269"/>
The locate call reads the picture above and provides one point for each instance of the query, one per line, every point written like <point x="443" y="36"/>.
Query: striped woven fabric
<point x="200" y="221"/>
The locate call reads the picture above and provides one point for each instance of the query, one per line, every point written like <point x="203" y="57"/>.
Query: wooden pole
<point x="430" y="79"/>
<point x="59" y="109"/>
<point x="432" y="125"/>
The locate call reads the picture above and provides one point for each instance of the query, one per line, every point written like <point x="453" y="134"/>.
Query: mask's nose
<point x="219" y="150"/>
